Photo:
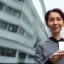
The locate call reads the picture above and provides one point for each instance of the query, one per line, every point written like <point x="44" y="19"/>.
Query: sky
<point x="50" y="4"/>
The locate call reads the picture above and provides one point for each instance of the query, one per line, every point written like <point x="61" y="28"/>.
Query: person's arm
<point x="39" y="56"/>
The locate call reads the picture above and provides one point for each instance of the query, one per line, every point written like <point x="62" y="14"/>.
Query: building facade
<point x="20" y="29"/>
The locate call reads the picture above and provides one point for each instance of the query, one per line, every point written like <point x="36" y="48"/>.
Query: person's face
<point x="55" y="22"/>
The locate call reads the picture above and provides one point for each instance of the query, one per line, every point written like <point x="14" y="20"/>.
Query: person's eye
<point x="59" y="19"/>
<point x="51" y="20"/>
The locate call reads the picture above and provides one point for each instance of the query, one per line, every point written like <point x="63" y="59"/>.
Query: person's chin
<point x="56" y="32"/>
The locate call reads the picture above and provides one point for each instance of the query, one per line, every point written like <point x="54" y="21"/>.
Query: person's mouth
<point x="55" y="27"/>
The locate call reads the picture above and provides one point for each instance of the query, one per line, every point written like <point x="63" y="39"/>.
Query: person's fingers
<point x="57" y="59"/>
<point x="57" y="56"/>
<point x="60" y="51"/>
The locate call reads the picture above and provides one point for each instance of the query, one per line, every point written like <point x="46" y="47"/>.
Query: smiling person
<point x="48" y="52"/>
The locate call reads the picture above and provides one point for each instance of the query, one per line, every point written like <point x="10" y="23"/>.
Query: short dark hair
<point x="54" y="10"/>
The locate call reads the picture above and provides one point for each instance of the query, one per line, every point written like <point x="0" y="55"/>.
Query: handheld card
<point x="61" y="45"/>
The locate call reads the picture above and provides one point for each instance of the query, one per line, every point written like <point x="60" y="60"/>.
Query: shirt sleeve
<point x="48" y="62"/>
<point x="39" y="56"/>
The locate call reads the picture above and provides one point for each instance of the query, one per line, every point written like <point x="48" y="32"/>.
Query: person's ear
<point x="47" y="24"/>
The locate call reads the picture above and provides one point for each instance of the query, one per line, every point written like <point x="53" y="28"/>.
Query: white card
<point x="61" y="45"/>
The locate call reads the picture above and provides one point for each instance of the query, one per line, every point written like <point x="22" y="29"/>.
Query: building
<point x="20" y="29"/>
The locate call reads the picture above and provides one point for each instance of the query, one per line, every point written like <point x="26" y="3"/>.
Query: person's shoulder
<point x="43" y="42"/>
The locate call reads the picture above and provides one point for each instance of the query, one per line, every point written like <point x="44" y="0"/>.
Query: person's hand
<point x="57" y="56"/>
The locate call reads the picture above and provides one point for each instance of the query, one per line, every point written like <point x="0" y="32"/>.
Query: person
<point x="48" y="52"/>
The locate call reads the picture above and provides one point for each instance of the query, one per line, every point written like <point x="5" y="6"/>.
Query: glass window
<point x="22" y="31"/>
<point x="3" y="51"/>
<point x="16" y="13"/>
<point x="8" y="9"/>
<point x="13" y="28"/>
<point x="1" y="6"/>
<point x="27" y="35"/>
<point x="3" y="24"/>
<point x="30" y="56"/>
<point x="11" y="52"/>
<point x="21" y="0"/>
<point x="7" y="52"/>
<point x="22" y="55"/>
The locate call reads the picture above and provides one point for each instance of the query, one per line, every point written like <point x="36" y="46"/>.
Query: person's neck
<point x="56" y="36"/>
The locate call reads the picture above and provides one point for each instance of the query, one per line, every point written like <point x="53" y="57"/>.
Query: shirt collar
<point x="54" y="40"/>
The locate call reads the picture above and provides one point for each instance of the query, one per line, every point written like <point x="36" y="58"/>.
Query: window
<point x="7" y="52"/>
<point x="22" y="55"/>
<point x="30" y="56"/>
<point x="11" y="52"/>
<point x="22" y="31"/>
<point x="13" y="28"/>
<point x="12" y="11"/>
<point x="3" y="24"/>
<point x="8" y="9"/>
<point x="16" y="13"/>
<point x="3" y="51"/>
<point x="19" y="0"/>
<point x="27" y="35"/>
<point x="1" y="6"/>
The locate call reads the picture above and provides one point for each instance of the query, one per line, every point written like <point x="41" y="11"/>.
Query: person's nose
<point x="55" y="21"/>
